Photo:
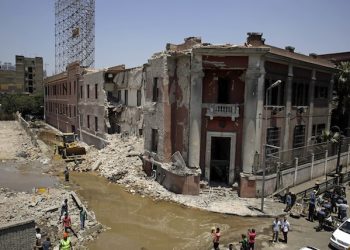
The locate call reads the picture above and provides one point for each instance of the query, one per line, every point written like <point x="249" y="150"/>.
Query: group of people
<point x="280" y="226"/>
<point x="248" y="240"/>
<point x="65" y="242"/>
<point x="336" y="203"/>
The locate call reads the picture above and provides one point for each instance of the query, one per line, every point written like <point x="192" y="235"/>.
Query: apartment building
<point x="25" y="77"/>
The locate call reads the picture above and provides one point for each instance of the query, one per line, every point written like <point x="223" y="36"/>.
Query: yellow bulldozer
<point x="68" y="148"/>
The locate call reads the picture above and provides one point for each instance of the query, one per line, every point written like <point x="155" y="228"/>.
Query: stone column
<point x="330" y="96"/>
<point x="251" y="96"/>
<point x="195" y="117"/>
<point x="288" y="110"/>
<point x="311" y="105"/>
<point x="260" y="95"/>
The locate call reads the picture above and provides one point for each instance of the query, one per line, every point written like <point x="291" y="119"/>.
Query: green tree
<point x="341" y="115"/>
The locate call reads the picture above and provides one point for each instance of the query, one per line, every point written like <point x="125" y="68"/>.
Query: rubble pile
<point x="45" y="209"/>
<point x="119" y="161"/>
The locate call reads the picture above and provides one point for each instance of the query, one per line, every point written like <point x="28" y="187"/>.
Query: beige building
<point x="26" y="76"/>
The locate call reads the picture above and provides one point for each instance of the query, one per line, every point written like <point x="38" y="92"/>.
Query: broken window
<point x="155" y="89"/>
<point x="155" y="140"/>
<point x="223" y="91"/>
<point x="140" y="132"/>
<point x="300" y="94"/>
<point x="275" y="95"/>
<point x="126" y="96"/>
<point x="273" y="138"/>
<point x="299" y="136"/>
<point x="96" y="91"/>
<point x="88" y="121"/>
<point x="138" y="97"/>
<point x="96" y="123"/>
<point x="87" y="91"/>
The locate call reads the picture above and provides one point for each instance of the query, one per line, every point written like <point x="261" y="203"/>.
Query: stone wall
<point x="18" y="236"/>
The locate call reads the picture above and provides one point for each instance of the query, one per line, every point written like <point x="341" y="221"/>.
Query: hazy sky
<point x="129" y="32"/>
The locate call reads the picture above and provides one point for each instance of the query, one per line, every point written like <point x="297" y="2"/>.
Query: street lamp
<point x="275" y="84"/>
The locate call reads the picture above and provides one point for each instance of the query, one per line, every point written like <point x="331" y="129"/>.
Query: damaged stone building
<point x="93" y="102"/>
<point x="207" y="102"/>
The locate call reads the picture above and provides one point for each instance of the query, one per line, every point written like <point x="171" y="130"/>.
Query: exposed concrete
<point x="195" y="111"/>
<point x="18" y="235"/>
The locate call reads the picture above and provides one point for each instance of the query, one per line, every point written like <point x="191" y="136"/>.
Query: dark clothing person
<point x="288" y="202"/>
<point x="83" y="217"/>
<point x="47" y="244"/>
<point x="64" y="208"/>
<point x="66" y="174"/>
<point x="244" y="242"/>
<point x="312" y="205"/>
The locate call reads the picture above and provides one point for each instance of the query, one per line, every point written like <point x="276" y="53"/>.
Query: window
<point x="300" y="94"/>
<point x="75" y="111"/>
<point x="70" y="88"/>
<point x="75" y="87"/>
<point x="321" y="92"/>
<point x="223" y="91"/>
<point x="96" y="91"/>
<point x="138" y="97"/>
<point x="317" y="129"/>
<point x="275" y="95"/>
<point x="81" y="92"/>
<point x="155" y="89"/>
<point x="126" y="97"/>
<point x="88" y="121"/>
<point x="96" y="123"/>
<point x="154" y="140"/>
<point x="87" y="91"/>
<point x="273" y="138"/>
<point x="70" y="111"/>
<point x="119" y="95"/>
<point x="299" y="136"/>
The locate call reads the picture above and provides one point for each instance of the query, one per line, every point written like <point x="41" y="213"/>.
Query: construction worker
<point x="65" y="243"/>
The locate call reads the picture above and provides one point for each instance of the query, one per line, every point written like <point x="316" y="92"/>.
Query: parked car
<point x="341" y="236"/>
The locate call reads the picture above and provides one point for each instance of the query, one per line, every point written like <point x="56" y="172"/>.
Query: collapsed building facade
<point x="208" y="104"/>
<point x="93" y="103"/>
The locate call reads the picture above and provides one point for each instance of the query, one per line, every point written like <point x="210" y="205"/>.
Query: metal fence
<point x="305" y="155"/>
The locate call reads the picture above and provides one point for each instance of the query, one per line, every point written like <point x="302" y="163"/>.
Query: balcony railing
<point x="223" y="110"/>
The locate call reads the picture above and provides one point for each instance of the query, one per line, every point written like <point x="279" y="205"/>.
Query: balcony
<point x="222" y="110"/>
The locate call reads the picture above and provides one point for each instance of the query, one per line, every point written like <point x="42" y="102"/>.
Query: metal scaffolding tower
<point x="74" y="33"/>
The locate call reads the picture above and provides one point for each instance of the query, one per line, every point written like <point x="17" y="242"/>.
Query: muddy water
<point x="24" y="177"/>
<point x="140" y="223"/>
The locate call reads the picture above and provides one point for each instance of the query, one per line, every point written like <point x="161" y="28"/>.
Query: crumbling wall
<point x="154" y="111"/>
<point x="179" y="98"/>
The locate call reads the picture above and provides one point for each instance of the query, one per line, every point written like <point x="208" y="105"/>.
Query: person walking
<point x="217" y="239"/>
<point x="285" y="226"/>
<point x="288" y="202"/>
<point x="213" y="236"/>
<point x="83" y="217"/>
<point x="276" y="225"/>
<point x="64" y="208"/>
<point x="312" y="205"/>
<point x="67" y="224"/>
<point x="342" y="210"/>
<point x="65" y="243"/>
<point x="251" y="239"/>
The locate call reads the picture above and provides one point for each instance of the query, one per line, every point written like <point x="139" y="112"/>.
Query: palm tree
<point x="341" y="113"/>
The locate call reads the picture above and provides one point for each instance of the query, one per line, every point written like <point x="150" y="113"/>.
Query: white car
<point x="341" y="237"/>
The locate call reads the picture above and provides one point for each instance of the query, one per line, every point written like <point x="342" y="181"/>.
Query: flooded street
<point x="24" y="177"/>
<point x="140" y="223"/>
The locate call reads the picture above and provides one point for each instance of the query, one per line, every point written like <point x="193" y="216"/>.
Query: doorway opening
<point x="220" y="160"/>
<point x="223" y="91"/>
